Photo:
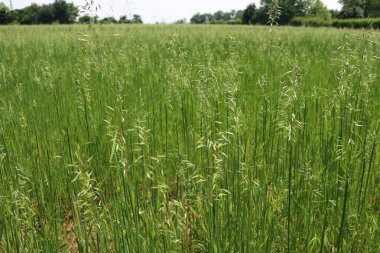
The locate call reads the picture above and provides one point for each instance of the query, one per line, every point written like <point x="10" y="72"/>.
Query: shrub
<point x="297" y="21"/>
<point x="309" y="21"/>
<point x="108" y="20"/>
<point x="218" y="22"/>
<point x="235" y="22"/>
<point x="357" y="23"/>
<point x="228" y="22"/>
<point x="339" y="23"/>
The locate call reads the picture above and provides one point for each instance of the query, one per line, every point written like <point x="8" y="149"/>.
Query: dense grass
<point x="189" y="139"/>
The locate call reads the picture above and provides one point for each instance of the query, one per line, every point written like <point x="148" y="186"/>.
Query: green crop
<point x="189" y="139"/>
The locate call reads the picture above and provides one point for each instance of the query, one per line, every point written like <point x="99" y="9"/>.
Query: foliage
<point x="351" y="12"/>
<point x="249" y="14"/>
<point x="108" y="20"/>
<point x="3" y="7"/>
<point x="338" y="23"/>
<point x="218" y="17"/>
<point x="136" y="19"/>
<point x="288" y="8"/>
<point x="318" y="9"/>
<point x="180" y="21"/>
<point x="357" y="23"/>
<point x="199" y="18"/>
<point x="310" y="21"/>
<point x="5" y="16"/>
<point x="237" y="21"/>
<point x="369" y="8"/>
<point x="64" y="13"/>
<point x="60" y="11"/>
<point x="86" y="19"/>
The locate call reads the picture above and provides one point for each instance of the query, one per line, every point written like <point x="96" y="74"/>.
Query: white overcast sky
<point x="160" y="10"/>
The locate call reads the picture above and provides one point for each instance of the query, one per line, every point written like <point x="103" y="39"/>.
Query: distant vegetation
<point x="136" y="19"/>
<point x="291" y="12"/>
<point x="218" y="17"/>
<point x="299" y="12"/>
<point x="59" y="12"/>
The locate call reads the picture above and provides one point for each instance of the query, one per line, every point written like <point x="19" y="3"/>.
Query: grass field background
<point x="189" y="139"/>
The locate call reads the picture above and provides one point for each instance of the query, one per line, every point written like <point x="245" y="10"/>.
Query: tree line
<point x="292" y="12"/>
<point x="58" y="12"/>
<point x="217" y="17"/>
<point x="87" y="19"/>
<point x="291" y="9"/>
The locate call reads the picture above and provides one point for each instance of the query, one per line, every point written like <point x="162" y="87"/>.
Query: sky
<point x="153" y="11"/>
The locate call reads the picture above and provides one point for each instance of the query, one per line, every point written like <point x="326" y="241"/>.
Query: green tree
<point x="46" y="14"/>
<point x="239" y="14"/>
<point x="3" y="6"/>
<point x="180" y="21"/>
<point x="201" y="18"/>
<point x="4" y="14"/>
<point x="109" y="20"/>
<point x="289" y="8"/>
<point x="136" y="19"/>
<point x="86" y="19"/>
<point x="124" y="20"/>
<point x="318" y="9"/>
<point x="30" y="15"/>
<point x="65" y="13"/>
<point x="351" y="12"/>
<point x="249" y="14"/>
<point x="219" y="15"/>
<point x="371" y="8"/>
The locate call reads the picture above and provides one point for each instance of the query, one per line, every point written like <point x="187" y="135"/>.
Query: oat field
<point x="162" y="138"/>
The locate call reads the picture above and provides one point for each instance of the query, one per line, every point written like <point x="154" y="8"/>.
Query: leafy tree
<point x="124" y="20"/>
<point x="30" y="15"/>
<point x="180" y="21"/>
<point x="371" y="8"/>
<point x="239" y="14"/>
<point x="201" y="18"/>
<point x="109" y="20"/>
<point x="219" y="15"/>
<point x="65" y="13"/>
<point x="196" y="19"/>
<point x="261" y="16"/>
<point x="318" y="9"/>
<point x="59" y="11"/>
<point x="334" y="13"/>
<point x="86" y="19"/>
<point x="249" y="14"/>
<point x="4" y="14"/>
<point x="351" y="12"/>
<point x="289" y="8"/>
<point x="3" y="6"/>
<point x="137" y="19"/>
<point x="231" y="15"/>
<point x="15" y="16"/>
<point x="46" y="14"/>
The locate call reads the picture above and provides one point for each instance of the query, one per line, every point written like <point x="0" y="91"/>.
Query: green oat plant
<point x="189" y="139"/>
